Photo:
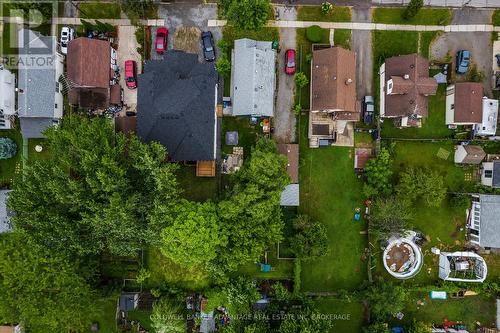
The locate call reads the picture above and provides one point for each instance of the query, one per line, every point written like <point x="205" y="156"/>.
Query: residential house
<point x="7" y="97"/>
<point x="291" y="193"/>
<point x="483" y="223"/>
<point x="40" y="100"/>
<point x="253" y="78"/>
<point x="405" y="86"/>
<point x="464" y="104"/>
<point x="334" y="107"/>
<point x="490" y="118"/>
<point x="469" y="154"/>
<point x="5" y="213"/>
<point x="91" y="74"/>
<point x="177" y="106"/>
<point x="490" y="173"/>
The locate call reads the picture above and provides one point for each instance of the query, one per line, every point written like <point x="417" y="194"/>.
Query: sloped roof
<point x="411" y="85"/>
<point x="176" y="106"/>
<point x="469" y="154"/>
<point x="33" y="128"/>
<point x="333" y="80"/>
<point x="291" y="151"/>
<point x="468" y="104"/>
<point x="290" y="196"/>
<point x="7" y="91"/>
<point x="88" y="62"/>
<point x="253" y="78"/>
<point x="490" y="223"/>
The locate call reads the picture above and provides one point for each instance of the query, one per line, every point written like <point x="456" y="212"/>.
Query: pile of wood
<point x="187" y="39"/>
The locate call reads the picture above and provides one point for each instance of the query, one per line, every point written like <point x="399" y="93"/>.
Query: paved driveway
<point x="127" y="50"/>
<point x="479" y="43"/>
<point x="187" y="15"/>
<point x="284" y="119"/>
<point x="361" y="43"/>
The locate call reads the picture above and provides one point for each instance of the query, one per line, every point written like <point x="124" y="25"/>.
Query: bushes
<point x="301" y="80"/>
<point x="412" y="9"/>
<point x="223" y="66"/>
<point x="8" y="148"/>
<point x="313" y="33"/>
<point x="297" y="271"/>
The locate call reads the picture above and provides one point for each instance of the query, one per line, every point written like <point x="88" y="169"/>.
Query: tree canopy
<point x="390" y="215"/>
<point x="311" y="239"/>
<point x="386" y="300"/>
<point x="246" y="14"/>
<point x="425" y="184"/>
<point x="378" y="175"/>
<point x="98" y="192"/>
<point x="167" y="317"/>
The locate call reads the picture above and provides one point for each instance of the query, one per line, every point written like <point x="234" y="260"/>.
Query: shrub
<point x="301" y="80"/>
<point x="297" y="108"/>
<point x="8" y="148"/>
<point x="326" y="8"/>
<point x="224" y="45"/>
<point x="223" y="66"/>
<point x="313" y="33"/>
<point x="412" y="9"/>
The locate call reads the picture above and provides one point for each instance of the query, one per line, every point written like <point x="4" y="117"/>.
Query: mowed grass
<point x="196" y="188"/>
<point x="425" y="16"/>
<point x="100" y="10"/>
<point x="426" y="39"/>
<point x="313" y="13"/>
<point x="105" y="314"/>
<point x="282" y="269"/>
<point x="495" y="19"/>
<point x="346" y="317"/>
<point x="9" y="167"/>
<point x="33" y="155"/>
<point x="330" y="192"/>
<point x="432" y="127"/>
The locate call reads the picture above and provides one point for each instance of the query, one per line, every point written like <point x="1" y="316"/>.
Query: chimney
<point x="348" y="81"/>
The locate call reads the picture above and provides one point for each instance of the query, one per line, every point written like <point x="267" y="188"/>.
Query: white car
<point x="67" y="35"/>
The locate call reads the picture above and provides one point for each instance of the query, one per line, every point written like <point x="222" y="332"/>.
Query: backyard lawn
<point x="9" y="167"/>
<point x="313" y="13"/>
<point x="348" y="316"/>
<point x="282" y="269"/>
<point x="196" y="188"/>
<point x="330" y="192"/>
<point x="105" y="313"/>
<point x="33" y="155"/>
<point x="99" y="10"/>
<point x="425" y="16"/>
<point x="247" y="133"/>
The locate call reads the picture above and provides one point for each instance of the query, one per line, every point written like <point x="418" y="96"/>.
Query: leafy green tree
<point x="248" y="14"/>
<point x="193" y="234"/>
<point x="386" y="299"/>
<point x="241" y="293"/>
<point x="8" y="148"/>
<point x="378" y="175"/>
<point x="251" y="215"/>
<point x="137" y="8"/>
<point x="376" y="328"/>
<point x="167" y="317"/>
<point x="420" y="327"/>
<point x="301" y="80"/>
<point x="223" y="66"/>
<point x="424" y="184"/>
<point x="390" y="215"/>
<point x="311" y="239"/>
<point x="412" y="9"/>
<point x="98" y="192"/>
<point x="42" y="289"/>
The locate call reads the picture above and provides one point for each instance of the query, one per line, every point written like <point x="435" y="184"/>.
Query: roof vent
<point x="348" y="81"/>
<point x="335" y="78"/>
<point x="412" y="66"/>
<point x="406" y="76"/>
<point x="412" y="101"/>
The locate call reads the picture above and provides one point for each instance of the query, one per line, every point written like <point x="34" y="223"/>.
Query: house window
<point x="453" y="106"/>
<point x="488" y="173"/>
<point x="57" y="88"/>
<point x="56" y="105"/>
<point x="389" y="85"/>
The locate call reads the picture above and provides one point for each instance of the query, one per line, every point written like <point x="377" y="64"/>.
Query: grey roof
<point x="33" y="128"/>
<point x="290" y="196"/>
<point x="7" y="91"/>
<point x="496" y="174"/>
<point x="37" y="82"/>
<point x="490" y="223"/>
<point x="253" y="78"/>
<point x="5" y="213"/>
<point x="128" y="301"/>
<point x="176" y="106"/>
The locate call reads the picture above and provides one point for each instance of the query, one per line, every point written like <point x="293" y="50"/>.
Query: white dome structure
<point x="402" y="257"/>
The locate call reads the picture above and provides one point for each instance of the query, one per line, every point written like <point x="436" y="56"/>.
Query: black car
<point x="208" y="45"/>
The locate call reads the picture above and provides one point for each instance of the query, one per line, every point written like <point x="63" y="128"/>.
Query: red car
<point x="131" y="74"/>
<point x="161" y="40"/>
<point x="290" y="62"/>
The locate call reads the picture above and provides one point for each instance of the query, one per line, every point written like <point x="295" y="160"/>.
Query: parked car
<point x="208" y="45"/>
<point x="161" y="40"/>
<point x="368" y="109"/>
<point x="463" y="61"/>
<point x="290" y="62"/>
<point x="131" y="74"/>
<point x="67" y="35"/>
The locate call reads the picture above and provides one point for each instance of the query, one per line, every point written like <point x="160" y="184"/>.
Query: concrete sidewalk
<point x="373" y="26"/>
<point x="77" y="21"/>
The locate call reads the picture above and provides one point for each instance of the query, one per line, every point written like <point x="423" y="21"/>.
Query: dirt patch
<point x="187" y="39"/>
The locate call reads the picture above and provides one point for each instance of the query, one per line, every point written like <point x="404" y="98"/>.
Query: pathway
<point x="373" y="26"/>
<point x="361" y="43"/>
<point x="77" y="21"/>
<point x="284" y="119"/>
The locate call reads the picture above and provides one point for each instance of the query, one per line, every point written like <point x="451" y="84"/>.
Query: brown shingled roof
<point x="333" y="80"/>
<point x="291" y="151"/>
<point x="411" y="85"/>
<point x="468" y="102"/>
<point x="88" y="62"/>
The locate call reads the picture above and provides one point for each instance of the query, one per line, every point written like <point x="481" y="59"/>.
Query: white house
<point x="483" y="224"/>
<point x="7" y="97"/>
<point x="488" y="126"/>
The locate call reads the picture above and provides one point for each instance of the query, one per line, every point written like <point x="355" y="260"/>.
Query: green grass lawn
<point x="426" y="38"/>
<point x="330" y="192"/>
<point x="348" y="316"/>
<point x="141" y="316"/>
<point x="468" y="310"/>
<point x="282" y="269"/>
<point x="196" y="188"/>
<point x="313" y="13"/>
<point x="9" y="167"/>
<point x="33" y="155"/>
<point x="99" y="10"/>
<point x="247" y="134"/>
<point x="342" y="37"/>
<point x="432" y="127"/>
<point x="495" y="20"/>
<point x="425" y="16"/>
<point x="164" y="273"/>
<point x="105" y="310"/>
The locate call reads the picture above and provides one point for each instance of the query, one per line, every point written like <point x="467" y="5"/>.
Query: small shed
<point x="469" y="154"/>
<point x="291" y="151"/>
<point x="290" y="196"/>
<point x="128" y="301"/>
<point x="361" y="157"/>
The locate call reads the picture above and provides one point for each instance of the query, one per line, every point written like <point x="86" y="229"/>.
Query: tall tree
<point x="247" y="14"/>
<point x="425" y="184"/>
<point x="42" y="289"/>
<point x="378" y="175"/>
<point x="310" y="240"/>
<point x="252" y="214"/>
<point x="167" y="317"/>
<point x="389" y="215"/>
<point x="193" y="234"/>
<point x="97" y="192"/>
<point x="386" y="300"/>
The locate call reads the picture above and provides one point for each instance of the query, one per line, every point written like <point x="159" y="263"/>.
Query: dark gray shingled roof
<point x="176" y="106"/>
<point x="490" y="223"/>
<point x="496" y="174"/>
<point x="33" y="128"/>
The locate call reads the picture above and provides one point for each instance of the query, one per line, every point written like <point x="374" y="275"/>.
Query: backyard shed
<point x="469" y="154"/>
<point x="290" y="196"/>
<point x="291" y="152"/>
